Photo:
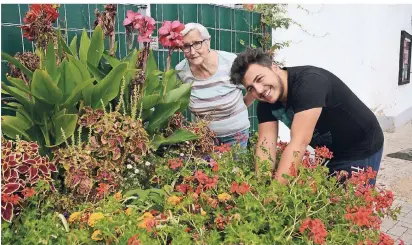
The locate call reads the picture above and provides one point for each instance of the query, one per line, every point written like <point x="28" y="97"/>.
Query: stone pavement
<point x="396" y="175"/>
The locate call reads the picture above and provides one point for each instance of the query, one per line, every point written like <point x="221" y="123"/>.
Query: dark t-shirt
<point x="346" y="125"/>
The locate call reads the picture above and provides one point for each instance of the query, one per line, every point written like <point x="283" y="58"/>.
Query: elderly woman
<point x="213" y="97"/>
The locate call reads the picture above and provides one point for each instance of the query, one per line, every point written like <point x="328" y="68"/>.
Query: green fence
<point x="227" y="26"/>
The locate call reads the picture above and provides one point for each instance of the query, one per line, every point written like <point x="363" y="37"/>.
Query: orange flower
<point x="94" y="218"/>
<point x="118" y="196"/>
<point x="128" y="211"/>
<point x="173" y="200"/>
<point x="148" y="221"/>
<point x="97" y="235"/>
<point x="224" y="197"/>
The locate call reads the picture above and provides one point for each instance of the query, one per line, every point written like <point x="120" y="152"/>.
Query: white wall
<point x="361" y="47"/>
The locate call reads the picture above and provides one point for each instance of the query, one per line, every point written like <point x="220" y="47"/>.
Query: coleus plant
<point x="22" y="168"/>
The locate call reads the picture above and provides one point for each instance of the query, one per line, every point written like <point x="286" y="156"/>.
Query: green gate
<point x="227" y="26"/>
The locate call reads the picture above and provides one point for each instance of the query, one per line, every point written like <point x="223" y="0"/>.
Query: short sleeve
<point x="264" y="112"/>
<point x="309" y="92"/>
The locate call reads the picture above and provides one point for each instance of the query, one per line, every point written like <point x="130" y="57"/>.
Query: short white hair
<point x="204" y="33"/>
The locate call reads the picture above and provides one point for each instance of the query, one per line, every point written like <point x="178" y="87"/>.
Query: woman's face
<point x="195" y="48"/>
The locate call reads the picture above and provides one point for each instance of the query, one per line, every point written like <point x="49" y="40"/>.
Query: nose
<point x="192" y="50"/>
<point x="258" y="89"/>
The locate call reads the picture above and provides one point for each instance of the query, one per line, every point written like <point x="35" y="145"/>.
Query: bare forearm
<point x="293" y="153"/>
<point x="248" y="99"/>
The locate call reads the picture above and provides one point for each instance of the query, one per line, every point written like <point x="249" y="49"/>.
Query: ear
<point x="275" y="67"/>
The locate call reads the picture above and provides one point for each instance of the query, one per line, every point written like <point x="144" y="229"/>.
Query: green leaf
<point x="12" y="60"/>
<point x="149" y="101"/>
<point x="150" y="64"/>
<point x="161" y="114"/>
<point x="98" y="75"/>
<point x="42" y="86"/>
<point x="68" y="79"/>
<point x="112" y="60"/>
<point x="66" y="122"/>
<point x="12" y="126"/>
<point x="81" y="68"/>
<point x="76" y="93"/>
<point x="169" y="81"/>
<point x="179" y="135"/>
<point x="50" y="62"/>
<point x="63" y="45"/>
<point x="152" y="83"/>
<point x="142" y="193"/>
<point x="19" y="95"/>
<point x="96" y="47"/>
<point x="108" y="88"/>
<point x="84" y="46"/>
<point x="178" y="94"/>
<point x="73" y="46"/>
<point x="18" y="83"/>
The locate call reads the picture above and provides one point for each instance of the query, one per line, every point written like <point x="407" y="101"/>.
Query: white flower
<point x="182" y="155"/>
<point x="164" y="148"/>
<point x="187" y="142"/>
<point x="147" y="163"/>
<point x="235" y="170"/>
<point x="136" y="171"/>
<point x="129" y="166"/>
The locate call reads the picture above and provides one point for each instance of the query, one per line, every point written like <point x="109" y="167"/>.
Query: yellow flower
<point x="202" y="212"/>
<point x="118" y="196"/>
<point x="224" y="197"/>
<point x="94" y="217"/>
<point x="75" y="216"/>
<point x="128" y="211"/>
<point x="174" y="200"/>
<point x="146" y="218"/>
<point x="97" y="235"/>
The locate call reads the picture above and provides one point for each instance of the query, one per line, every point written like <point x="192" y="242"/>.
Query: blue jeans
<point x="373" y="161"/>
<point x="240" y="138"/>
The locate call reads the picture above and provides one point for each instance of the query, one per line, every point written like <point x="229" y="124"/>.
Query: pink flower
<point x="170" y="34"/>
<point x="145" y="25"/>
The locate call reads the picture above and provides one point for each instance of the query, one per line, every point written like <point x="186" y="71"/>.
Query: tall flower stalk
<point x="170" y="37"/>
<point x="145" y="26"/>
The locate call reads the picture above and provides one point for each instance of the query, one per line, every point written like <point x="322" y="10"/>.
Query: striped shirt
<point x="216" y="99"/>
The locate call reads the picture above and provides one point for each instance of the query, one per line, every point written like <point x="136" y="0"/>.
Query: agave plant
<point x="22" y="168"/>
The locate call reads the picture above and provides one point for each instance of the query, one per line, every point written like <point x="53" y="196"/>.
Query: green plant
<point x="218" y="199"/>
<point x="48" y="105"/>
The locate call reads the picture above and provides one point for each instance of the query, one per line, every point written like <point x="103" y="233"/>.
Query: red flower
<point x="323" y="152"/>
<point x="184" y="188"/>
<point x="317" y="230"/>
<point x="175" y="163"/>
<point x="362" y="216"/>
<point x="28" y="192"/>
<point x="223" y="148"/>
<point x="214" y="165"/>
<point x="102" y="189"/>
<point x="133" y="240"/>
<point x="240" y="189"/>
<point x="385" y="239"/>
<point x="384" y="200"/>
<point x="170" y="34"/>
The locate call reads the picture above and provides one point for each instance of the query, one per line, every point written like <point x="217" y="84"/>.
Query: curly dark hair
<point x="246" y="58"/>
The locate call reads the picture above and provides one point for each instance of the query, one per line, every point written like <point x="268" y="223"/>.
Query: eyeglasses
<point x="196" y="45"/>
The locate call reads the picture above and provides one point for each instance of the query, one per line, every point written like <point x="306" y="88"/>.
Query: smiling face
<point x="195" y="47"/>
<point x="263" y="83"/>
